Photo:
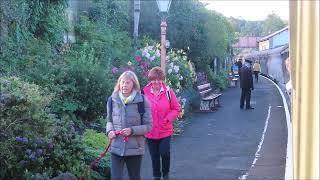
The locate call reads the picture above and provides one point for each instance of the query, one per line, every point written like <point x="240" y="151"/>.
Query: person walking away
<point x="256" y="70"/>
<point x="246" y="84"/>
<point x="165" y="108"/>
<point x="126" y="126"/>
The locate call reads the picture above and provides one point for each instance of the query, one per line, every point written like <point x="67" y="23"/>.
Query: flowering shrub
<point x="145" y="59"/>
<point x="179" y="72"/>
<point x="33" y="142"/>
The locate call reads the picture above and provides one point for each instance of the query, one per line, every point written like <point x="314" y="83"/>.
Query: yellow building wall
<point x="304" y="59"/>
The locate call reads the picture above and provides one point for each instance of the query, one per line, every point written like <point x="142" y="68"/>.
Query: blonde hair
<point x="130" y="75"/>
<point x="156" y="73"/>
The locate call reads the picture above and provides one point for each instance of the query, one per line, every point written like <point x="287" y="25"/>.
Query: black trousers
<point x="133" y="164"/>
<point x="256" y="75"/>
<point x="160" y="149"/>
<point x="245" y="95"/>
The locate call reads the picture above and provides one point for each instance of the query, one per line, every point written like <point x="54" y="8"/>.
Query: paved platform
<point x="227" y="144"/>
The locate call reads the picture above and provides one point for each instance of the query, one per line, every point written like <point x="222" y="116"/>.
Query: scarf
<point x="128" y="99"/>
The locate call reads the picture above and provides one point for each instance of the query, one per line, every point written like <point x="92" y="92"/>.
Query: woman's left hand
<point x="126" y="132"/>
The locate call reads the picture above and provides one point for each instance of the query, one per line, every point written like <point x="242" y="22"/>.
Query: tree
<point x="202" y="33"/>
<point x="252" y="28"/>
<point x="149" y="20"/>
<point x="246" y="28"/>
<point x="272" y="23"/>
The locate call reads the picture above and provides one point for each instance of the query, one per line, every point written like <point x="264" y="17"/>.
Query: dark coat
<point x="239" y="64"/>
<point x="246" y="79"/>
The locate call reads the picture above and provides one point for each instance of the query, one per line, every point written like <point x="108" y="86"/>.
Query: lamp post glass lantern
<point x="163" y="6"/>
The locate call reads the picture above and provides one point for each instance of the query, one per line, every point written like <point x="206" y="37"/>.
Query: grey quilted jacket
<point x="127" y="116"/>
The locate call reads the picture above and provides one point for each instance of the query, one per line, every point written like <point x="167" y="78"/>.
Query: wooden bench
<point x="209" y="98"/>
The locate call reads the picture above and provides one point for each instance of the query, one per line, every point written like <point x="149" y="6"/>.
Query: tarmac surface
<point x="231" y="143"/>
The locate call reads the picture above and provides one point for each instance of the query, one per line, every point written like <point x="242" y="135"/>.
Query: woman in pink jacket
<point x="165" y="108"/>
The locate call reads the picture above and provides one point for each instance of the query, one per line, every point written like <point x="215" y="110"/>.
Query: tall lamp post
<point x="163" y="6"/>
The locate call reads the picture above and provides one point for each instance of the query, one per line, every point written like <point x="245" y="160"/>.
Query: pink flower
<point x="144" y="65"/>
<point x="139" y="58"/>
<point x="145" y="74"/>
<point x="114" y="70"/>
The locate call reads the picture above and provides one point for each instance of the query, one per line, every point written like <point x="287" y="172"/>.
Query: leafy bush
<point x="82" y="85"/>
<point x="208" y="71"/>
<point x="33" y="141"/>
<point x="95" y="144"/>
<point x="187" y="98"/>
<point x="110" y="45"/>
<point x="23" y="117"/>
<point x="68" y="150"/>
<point x="180" y="72"/>
<point x="221" y="80"/>
<point x="81" y="77"/>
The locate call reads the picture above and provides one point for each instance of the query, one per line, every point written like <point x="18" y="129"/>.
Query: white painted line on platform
<point x="253" y="102"/>
<point x="289" y="158"/>
<point x="257" y="155"/>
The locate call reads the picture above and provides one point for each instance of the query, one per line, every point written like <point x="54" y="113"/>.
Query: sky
<point x="250" y="10"/>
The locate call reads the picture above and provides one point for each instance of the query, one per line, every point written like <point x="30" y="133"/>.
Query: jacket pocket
<point x="116" y="143"/>
<point x="165" y="126"/>
<point x="132" y="143"/>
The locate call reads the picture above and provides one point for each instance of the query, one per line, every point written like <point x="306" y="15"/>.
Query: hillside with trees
<point x="258" y="28"/>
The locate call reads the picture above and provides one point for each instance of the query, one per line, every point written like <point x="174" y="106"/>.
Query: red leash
<point x="95" y="162"/>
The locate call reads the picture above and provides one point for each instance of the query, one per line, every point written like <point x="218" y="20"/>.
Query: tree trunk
<point x="3" y="26"/>
<point x="72" y="12"/>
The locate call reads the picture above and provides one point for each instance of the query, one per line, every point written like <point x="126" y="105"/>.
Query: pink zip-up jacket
<point x="163" y="111"/>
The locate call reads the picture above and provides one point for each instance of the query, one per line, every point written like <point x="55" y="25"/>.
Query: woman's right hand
<point x="111" y="135"/>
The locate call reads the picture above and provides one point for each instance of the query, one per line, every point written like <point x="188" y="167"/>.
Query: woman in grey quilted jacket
<point x="126" y="126"/>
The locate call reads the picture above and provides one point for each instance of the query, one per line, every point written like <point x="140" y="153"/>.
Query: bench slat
<point x="204" y="86"/>
<point x="212" y="96"/>
<point x="205" y="91"/>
